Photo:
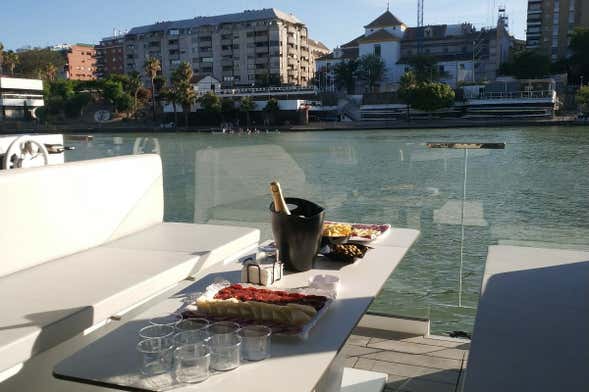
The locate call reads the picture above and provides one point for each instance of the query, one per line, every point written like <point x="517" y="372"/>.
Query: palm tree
<point x="246" y="105"/>
<point x="151" y="68"/>
<point x="372" y="69"/>
<point x="10" y="61"/>
<point x="49" y="72"/>
<point x="171" y="95"/>
<point x="345" y="75"/>
<point x="181" y="83"/>
<point x="187" y="99"/>
<point x="272" y="107"/>
<point x="134" y="84"/>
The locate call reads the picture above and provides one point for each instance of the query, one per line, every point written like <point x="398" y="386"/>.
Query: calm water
<point x="533" y="193"/>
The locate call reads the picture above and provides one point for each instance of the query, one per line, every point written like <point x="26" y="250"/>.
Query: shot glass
<point x="255" y="345"/>
<point x="192" y="324"/>
<point x="157" y="332"/>
<point x="192" y="362"/>
<point x="225" y="351"/>
<point x="156" y="356"/>
<point x="194" y="337"/>
<point x="171" y="319"/>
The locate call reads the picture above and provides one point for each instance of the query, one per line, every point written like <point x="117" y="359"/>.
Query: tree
<point x="425" y="68"/>
<point x="181" y="83"/>
<point x="111" y="91"/>
<point x="423" y="95"/>
<point x="272" y="107"/>
<point x="10" y="60"/>
<point x="246" y="105"/>
<point x="124" y="103"/>
<point x="582" y="98"/>
<point x="34" y="63"/>
<point x="228" y="108"/>
<point x="345" y="74"/>
<point x="152" y="68"/>
<point x="134" y="84"/>
<point x="527" y="64"/>
<point x="371" y="69"/>
<point x="49" y="72"/>
<point x="210" y="103"/>
<point x="579" y="61"/>
<point x="170" y="94"/>
<point x="74" y="107"/>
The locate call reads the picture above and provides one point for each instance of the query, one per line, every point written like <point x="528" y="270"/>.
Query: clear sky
<point x="49" y="22"/>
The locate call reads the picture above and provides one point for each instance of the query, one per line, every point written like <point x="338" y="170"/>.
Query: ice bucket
<point x="298" y="236"/>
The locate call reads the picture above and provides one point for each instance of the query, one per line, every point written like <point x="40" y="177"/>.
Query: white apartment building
<point x="251" y="48"/>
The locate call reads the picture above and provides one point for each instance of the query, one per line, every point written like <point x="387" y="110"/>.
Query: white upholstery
<point x="54" y="211"/>
<point x="83" y="241"/>
<point x="48" y="304"/>
<point x="212" y="242"/>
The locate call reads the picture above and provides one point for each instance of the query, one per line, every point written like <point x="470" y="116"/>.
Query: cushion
<point x="54" y="211"/>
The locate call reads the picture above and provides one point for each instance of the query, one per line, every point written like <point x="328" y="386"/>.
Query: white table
<point x="532" y="327"/>
<point x="295" y="365"/>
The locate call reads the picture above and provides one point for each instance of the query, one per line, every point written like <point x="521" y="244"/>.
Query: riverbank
<point x="436" y="123"/>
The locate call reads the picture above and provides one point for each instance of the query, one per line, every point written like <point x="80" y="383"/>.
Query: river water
<point x="535" y="192"/>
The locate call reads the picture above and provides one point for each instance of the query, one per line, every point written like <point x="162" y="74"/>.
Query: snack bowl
<point x="327" y="240"/>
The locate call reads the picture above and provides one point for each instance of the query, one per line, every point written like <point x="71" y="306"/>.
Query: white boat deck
<point x="413" y="363"/>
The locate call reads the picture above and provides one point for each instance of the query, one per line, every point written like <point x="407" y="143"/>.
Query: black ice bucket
<point x="298" y="236"/>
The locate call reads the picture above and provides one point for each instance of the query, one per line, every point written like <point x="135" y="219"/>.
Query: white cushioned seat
<point x="48" y="304"/>
<point x="213" y="243"/>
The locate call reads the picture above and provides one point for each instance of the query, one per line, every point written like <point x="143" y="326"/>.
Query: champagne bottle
<point x="279" y="203"/>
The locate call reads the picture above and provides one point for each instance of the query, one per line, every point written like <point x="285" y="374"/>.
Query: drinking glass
<point x="157" y="332"/>
<point x="192" y="324"/>
<point x="157" y="355"/>
<point x="225" y="351"/>
<point x="194" y="337"/>
<point x="192" y="363"/>
<point x="223" y="330"/>
<point x="170" y="319"/>
<point x="255" y="344"/>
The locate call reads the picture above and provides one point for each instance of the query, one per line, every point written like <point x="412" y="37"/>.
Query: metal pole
<point x="462" y="228"/>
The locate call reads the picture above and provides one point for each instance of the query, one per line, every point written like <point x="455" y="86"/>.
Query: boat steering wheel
<point x="21" y="150"/>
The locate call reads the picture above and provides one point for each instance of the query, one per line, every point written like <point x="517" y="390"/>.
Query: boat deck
<point x="413" y="363"/>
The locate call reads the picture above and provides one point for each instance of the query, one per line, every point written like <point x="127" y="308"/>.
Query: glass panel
<point x="533" y="193"/>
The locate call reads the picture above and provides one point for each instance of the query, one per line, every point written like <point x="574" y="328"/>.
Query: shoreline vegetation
<point x="435" y="123"/>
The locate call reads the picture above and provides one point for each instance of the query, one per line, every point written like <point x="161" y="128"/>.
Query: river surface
<point x="535" y="192"/>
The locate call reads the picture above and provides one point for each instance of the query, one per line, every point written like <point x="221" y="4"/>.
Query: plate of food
<point x="356" y="232"/>
<point x="291" y="312"/>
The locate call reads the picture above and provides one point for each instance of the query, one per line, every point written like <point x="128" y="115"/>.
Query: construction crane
<point x="419" y="13"/>
<point x="420" y="31"/>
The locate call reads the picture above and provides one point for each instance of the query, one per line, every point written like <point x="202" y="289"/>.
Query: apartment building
<point x="80" y="62"/>
<point x="251" y="48"/>
<point x="110" y="58"/>
<point x="550" y="23"/>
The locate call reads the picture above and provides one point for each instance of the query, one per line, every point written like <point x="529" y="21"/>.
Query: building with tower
<point x="463" y="53"/>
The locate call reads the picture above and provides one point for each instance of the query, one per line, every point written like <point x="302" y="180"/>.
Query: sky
<point x="50" y="22"/>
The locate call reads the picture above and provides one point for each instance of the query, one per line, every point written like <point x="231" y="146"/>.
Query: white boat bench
<point x="82" y="243"/>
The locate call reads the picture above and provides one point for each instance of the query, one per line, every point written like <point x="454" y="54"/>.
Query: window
<point x="462" y="66"/>
<point x="377" y="50"/>
<point x="207" y="60"/>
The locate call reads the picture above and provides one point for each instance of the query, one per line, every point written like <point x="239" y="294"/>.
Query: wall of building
<point x="81" y="62"/>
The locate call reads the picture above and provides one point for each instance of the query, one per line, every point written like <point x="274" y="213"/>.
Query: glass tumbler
<point x="156" y="355"/>
<point x="157" y="332"/>
<point x="255" y="345"/>
<point x="171" y="319"/>
<point x="192" y="324"/>
<point x="192" y="362"/>
<point x="194" y="337"/>
<point x="223" y="330"/>
<point x="225" y="351"/>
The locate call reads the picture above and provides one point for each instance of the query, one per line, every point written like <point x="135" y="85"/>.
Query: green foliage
<point x="371" y="69"/>
<point x="345" y="75"/>
<point x="228" y="106"/>
<point x="112" y="90"/>
<point x="423" y="95"/>
<point x="75" y="105"/>
<point x="246" y="104"/>
<point x="124" y="103"/>
<point x="33" y="63"/>
<point x="272" y="106"/>
<point x="527" y="64"/>
<point x="425" y="68"/>
<point x="10" y="61"/>
<point x="210" y="103"/>
<point x="579" y="61"/>
<point x="582" y="98"/>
